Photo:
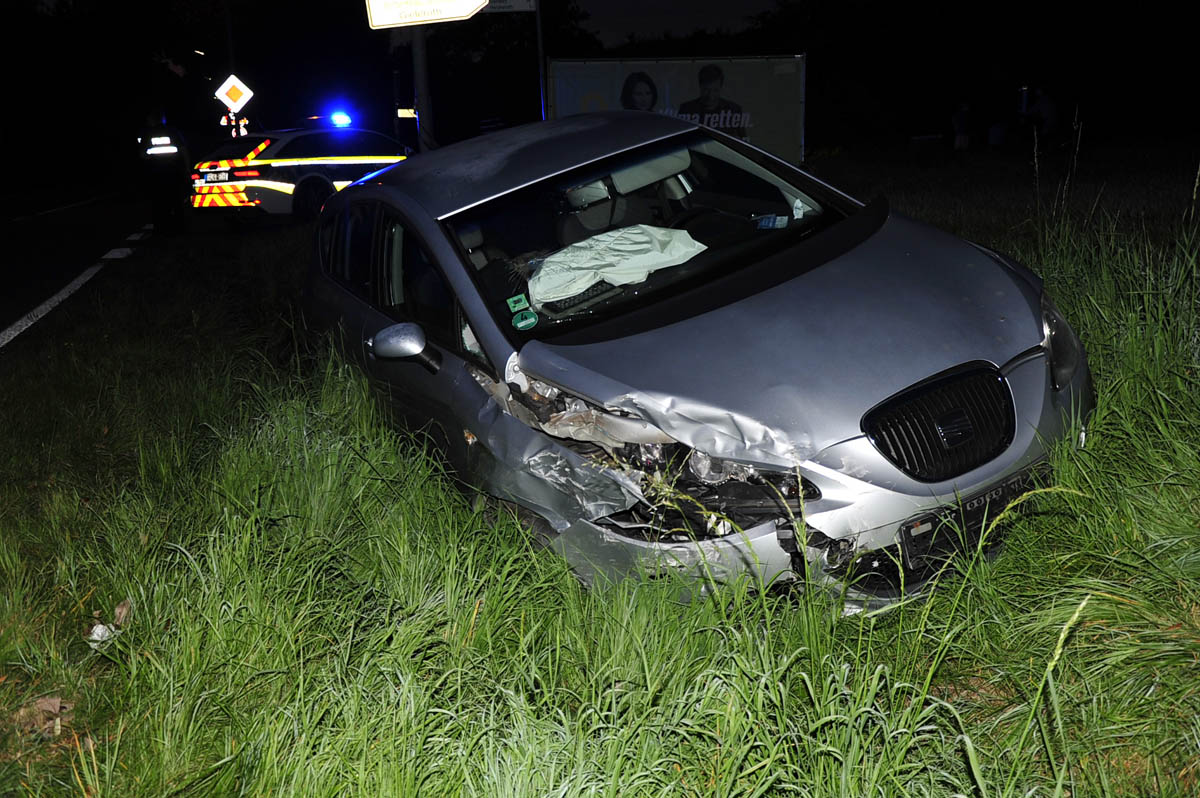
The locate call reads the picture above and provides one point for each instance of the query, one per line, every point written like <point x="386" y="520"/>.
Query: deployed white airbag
<point x="617" y="257"/>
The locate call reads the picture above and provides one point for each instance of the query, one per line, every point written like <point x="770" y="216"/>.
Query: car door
<point x="411" y="288"/>
<point x="350" y="266"/>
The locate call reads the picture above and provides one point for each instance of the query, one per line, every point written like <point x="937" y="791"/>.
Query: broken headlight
<point x="1061" y="344"/>
<point x="715" y="471"/>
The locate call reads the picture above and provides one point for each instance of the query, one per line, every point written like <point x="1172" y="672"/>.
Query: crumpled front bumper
<point x="865" y="525"/>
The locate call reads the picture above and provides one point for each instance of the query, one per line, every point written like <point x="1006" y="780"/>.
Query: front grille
<point x="945" y="426"/>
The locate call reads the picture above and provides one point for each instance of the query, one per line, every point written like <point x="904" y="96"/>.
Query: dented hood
<point x="780" y="375"/>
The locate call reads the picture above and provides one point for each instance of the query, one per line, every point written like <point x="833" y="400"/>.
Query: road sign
<point x="395" y="13"/>
<point x="234" y="93"/>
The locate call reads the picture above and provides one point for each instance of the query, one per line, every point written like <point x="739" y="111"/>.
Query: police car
<point x="289" y="171"/>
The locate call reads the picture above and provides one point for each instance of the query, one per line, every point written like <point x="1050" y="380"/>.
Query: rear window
<point x="311" y="145"/>
<point x="337" y="143"/>
<point x="360" y="142"/>
<point x="237" y="148"/>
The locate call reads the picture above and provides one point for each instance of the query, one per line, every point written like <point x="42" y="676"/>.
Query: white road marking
<point x="79" y="204"/>
<point x="26" y="321"/>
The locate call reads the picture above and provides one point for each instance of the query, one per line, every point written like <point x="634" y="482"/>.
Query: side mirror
<point x="405" y="341"/>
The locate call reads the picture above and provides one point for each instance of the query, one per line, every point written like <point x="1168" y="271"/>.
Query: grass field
<point x="313" y="608"/>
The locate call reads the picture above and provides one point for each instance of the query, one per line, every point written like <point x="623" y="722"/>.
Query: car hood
<point x="780" y="375"/>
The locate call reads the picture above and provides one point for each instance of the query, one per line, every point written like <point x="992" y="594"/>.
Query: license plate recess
<point x="933" y="536"/>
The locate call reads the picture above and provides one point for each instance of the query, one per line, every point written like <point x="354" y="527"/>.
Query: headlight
<point x="715" y="471"/>
<point x="1061" y="344"/>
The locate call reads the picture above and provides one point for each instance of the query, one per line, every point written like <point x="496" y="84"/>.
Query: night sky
<point x="615" y="20"/>
<point x="878" y="73"/>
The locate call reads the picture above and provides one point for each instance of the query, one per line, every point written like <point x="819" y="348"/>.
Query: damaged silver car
<point x="679" y="353"/>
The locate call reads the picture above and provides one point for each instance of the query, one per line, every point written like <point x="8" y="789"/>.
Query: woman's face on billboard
<point x="642" y="96"/>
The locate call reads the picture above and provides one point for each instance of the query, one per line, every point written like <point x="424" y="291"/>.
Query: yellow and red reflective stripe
<point x="228" y="195"/>
<point x="221" y="201"/>
<point x="220" y="188"/>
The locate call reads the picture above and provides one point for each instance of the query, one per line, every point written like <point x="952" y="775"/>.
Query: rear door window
<point x="309" y="145"/>
<point x="354" y="263"/>
<point x="357" y="142"/>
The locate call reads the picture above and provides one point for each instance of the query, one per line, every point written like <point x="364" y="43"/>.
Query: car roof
<point x="457" y="176"/>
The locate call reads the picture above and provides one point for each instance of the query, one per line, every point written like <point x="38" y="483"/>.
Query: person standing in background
<point x="164" y="159"/>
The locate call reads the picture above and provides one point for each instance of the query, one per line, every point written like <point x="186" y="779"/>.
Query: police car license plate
<point x="935" y="535"/>
<point x="216" y="177"/>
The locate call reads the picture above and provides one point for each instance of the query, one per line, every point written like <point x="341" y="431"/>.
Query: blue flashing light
<point x="340" y="119"/>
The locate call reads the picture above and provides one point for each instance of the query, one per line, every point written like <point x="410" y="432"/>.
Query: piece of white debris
<point x="101" y="636"/>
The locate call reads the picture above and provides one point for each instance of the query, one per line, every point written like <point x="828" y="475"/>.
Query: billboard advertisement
<point x="760" y="100"/>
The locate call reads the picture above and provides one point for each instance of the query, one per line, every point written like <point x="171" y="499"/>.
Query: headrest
<point x="594" y="219"/>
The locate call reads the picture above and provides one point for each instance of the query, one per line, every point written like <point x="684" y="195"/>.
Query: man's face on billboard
<point x="710" y="94"/>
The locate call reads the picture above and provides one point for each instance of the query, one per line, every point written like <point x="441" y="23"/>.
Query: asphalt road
<point x="47" y="247"/>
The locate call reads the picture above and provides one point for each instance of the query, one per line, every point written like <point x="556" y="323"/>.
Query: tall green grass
<point x="318" y="610"/>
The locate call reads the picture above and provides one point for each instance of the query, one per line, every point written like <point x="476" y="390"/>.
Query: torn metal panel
<point x="597" y="490"/>
<point x="716" y="431"/>
<point x="537" y="407"/>
<point x="586" y="424"/>
<point x="515" y="459"/>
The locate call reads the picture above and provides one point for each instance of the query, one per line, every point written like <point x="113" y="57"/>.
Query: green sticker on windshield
<point x="524" y="320"/>
<point x="518" y="302"/>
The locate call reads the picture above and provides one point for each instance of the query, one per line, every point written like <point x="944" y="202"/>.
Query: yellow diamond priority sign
<point x="395" y="13"/>
<point x="234" y="93"/>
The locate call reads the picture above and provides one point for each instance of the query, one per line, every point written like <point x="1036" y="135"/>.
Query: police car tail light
<point x="195" y="176"/>
<point x="246" y="173"/>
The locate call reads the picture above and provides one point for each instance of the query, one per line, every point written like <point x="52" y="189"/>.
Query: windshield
<point x="605" y="238"/>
